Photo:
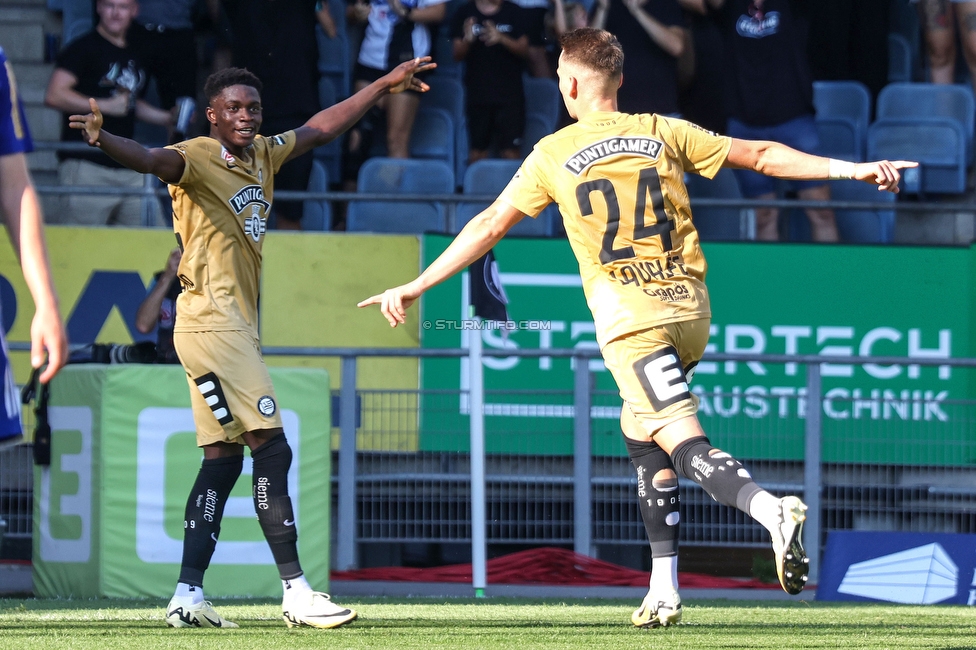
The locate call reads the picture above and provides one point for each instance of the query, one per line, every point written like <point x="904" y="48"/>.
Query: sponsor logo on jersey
<point x="758" y="26"/>
<point x="246" y="196"/>
<point x="266" y="405"/>
<point x="627" y="146"/>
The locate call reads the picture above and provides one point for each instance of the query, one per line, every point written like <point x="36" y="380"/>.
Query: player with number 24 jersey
<point x="618" y="182"/>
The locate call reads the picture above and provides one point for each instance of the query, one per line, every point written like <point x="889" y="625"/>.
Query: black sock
<point x="723" y="477"/>
<point x="658" y="498"/>
<point x="204" y="510"/>
<point x="273" y="505"/>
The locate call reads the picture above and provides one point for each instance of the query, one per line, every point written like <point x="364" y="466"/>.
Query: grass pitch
<point x="490" y="623"/>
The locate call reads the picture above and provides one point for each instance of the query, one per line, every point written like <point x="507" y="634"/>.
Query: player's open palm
<point x="402" y="77"/>
<point x="91" y="123"/>
<point x="884" y="173"/>
<point x="394" y="302"/>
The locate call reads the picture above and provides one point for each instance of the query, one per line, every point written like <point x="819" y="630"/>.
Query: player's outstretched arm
<point x="778" y="160"/>
<point x="25" y="222"/>
<point x="328" y="124"/>
<point x="474" y="240"/>
<point x="165" y="164"/>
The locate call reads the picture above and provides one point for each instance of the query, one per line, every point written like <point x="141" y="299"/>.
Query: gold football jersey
<point x="618" y="180"/>
<point x="220" y="213"/>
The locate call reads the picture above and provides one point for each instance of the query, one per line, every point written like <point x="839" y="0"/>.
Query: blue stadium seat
<point x="938" y="144"/>
<point x="433" y="136"/>
<point x="863" y="226"/>
<point x="911" y="100"/>
<point x="334" y="60"/>
<point x="448" y="94"/>
<point x="715" y="223"/>
<point x="317" y="213"/>
<point x="330" y="154"/>
<point x="489" y="177"/>
<point x="841" y="138"/>
<point x="842" y="105"/>
<point x="398" y="176"/>
<point x="542" y="98"/>
<point x="899" y="58"/>
<point x="536" y="128"/>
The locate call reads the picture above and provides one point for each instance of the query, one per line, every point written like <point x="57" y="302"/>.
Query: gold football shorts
<point x="230" y="388"/>
<point x="652" y="369"/>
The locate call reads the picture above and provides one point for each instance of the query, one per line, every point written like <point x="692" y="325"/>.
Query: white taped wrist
<point x="840" y="169"/>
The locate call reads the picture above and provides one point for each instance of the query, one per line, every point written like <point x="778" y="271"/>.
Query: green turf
<point x="491" y="624"/>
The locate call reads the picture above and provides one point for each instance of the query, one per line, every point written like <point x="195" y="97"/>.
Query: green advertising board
<point x="108" y="512"/>
<point x="802" y="299"/>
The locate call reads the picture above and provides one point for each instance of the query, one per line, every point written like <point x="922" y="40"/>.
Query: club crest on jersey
<point x="254" y="225"/>
<point x="626" y="146"/>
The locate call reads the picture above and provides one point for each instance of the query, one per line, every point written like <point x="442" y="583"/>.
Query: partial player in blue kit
<point x="24" y="219"/>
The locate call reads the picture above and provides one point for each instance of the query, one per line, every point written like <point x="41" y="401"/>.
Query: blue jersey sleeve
<point x="14" y="135"/>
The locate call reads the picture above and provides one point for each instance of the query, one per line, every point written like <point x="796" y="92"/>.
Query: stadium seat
<point x="330" y="154"/>
<point x="911" y="100"/>
<point x="448" y="94"/>
<point x="863" y="226"/>
<point x="716" y="223"/>
<point x="536" y="128"/>
<point x="840" y="104"/>
<point x="489" y="177"/>
<point x="399" y="176"/>
<point x="334" y="59"/>
<point x="542" y="98"/>
<point x="433" y="136"/>
<point x="938" y="144"/>
<point x="841" y="138"/>
<point x="317" y="213"/>
<point x="899" y="58"/>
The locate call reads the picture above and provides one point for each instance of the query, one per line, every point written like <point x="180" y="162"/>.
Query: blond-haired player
<point x="222" y="188"/>
<point x="618" y="182"/>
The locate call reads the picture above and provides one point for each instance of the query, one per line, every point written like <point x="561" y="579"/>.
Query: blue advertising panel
<point x="910" y="568"/>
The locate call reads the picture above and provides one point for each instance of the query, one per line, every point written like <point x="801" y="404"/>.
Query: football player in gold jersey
<point x="618" y="182"/>
<point x="222" y="188"/>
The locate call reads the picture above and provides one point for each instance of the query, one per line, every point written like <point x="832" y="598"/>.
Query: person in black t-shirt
<point x="489" y="36"/>
<point x="276" y="41"/>
<point x="158" y="309"/>
<point x="101" y="64"/>
<point x="654" y="36"/>
<point x="770" y="97"/>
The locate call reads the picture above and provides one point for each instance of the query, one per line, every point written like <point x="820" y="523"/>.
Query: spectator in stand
<point x="939" y="19"/>
<point x="849" y="40"/>
<point x="158" y="308"/>
<point x="535" y="28"/>
<point x="101" y="64"/>
<point x="701" y="70"/>
<point x="162" y="37"/>
<point x="654" y="37"/>
<point x="770" y="97"/>
<point x="489" y="36"/>
<point x="567" y="16"/>
<point x="276" y="41"/>
<point x="396" y="31"/>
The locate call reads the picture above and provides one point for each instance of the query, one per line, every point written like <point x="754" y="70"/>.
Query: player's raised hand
<point x="402" y="77"/>
<point x="883" y="173"/>
<point x="394" y="302"/>
<point x="91" y="123"/>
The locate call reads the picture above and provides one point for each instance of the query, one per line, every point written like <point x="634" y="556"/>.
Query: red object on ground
<point x="546" y="566"/>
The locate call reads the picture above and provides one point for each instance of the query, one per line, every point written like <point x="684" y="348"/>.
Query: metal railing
<point x="360" y="472"/>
